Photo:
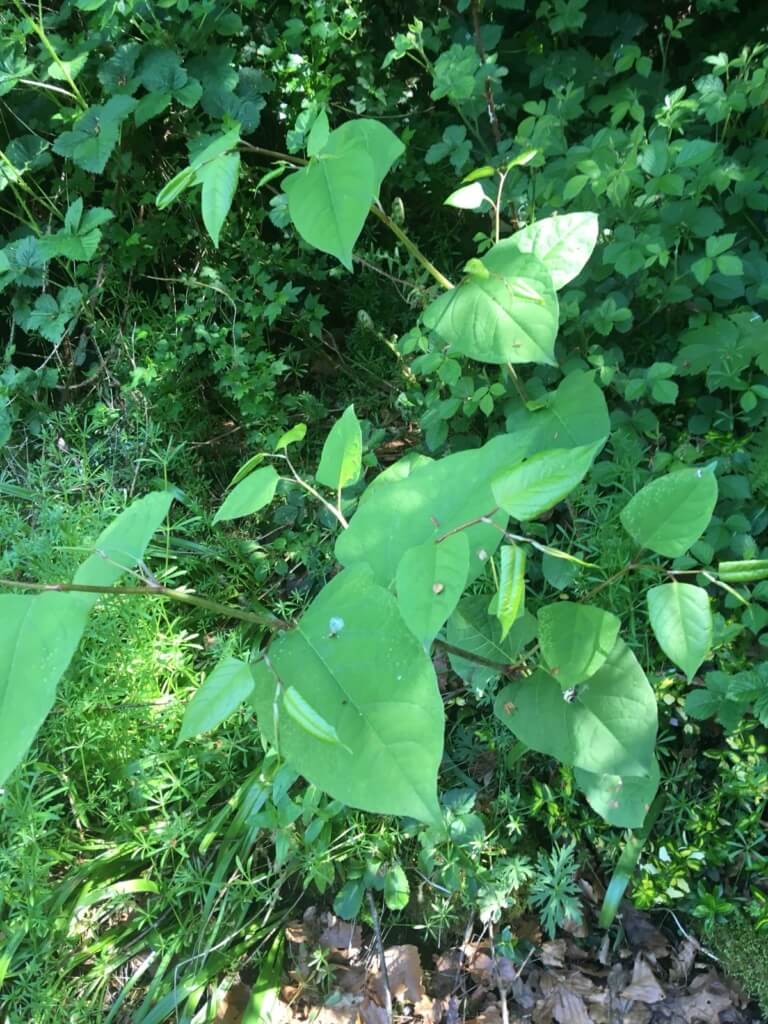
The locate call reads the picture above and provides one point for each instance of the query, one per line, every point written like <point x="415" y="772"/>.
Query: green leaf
<point x="468" y="197"/>
<point x="397" y="891"/>
<point x="541" y="481"/>
<point x="51" y="316"/>
<point x="669" y="514"/>
<point x="430" y="580"/>
<point x="576" y="639"/>
<point x="426" y="503"/>
<point x="296" y="433"/>
<point x="264" y="1005"/>
<point x="609" y="727"/>
<point x="342" y="455"/>
<point x="227" y="686"/>
<point x="328" y="201"/>
<point x="150" y="106"/>
<point x="511" y="601"/>
<point x="574" y="186"/>
<point x="563" y="243"/>
<point x="353" y="658"/>
<point x="730" y="265"/>
<point x="382" y="145"/>
<point x="622" y="801"/>
<point x="39" y="635"/>
<point x="219" y="181"/>
<point x="681" y="619"/>
<point x="95" y="134"/>
<point x="318" y="135"/>
<point x="349" y="899"/>
<point x="511" y="316"/>
<point x="249" y="495"/>
<point x="574" y="415"/>
<point x="121" y="546"/>
<point x="702" y="269"/>
<point x="172" y="190"/>
<point x="162" y="71"/>
<point x="472" y="629"/>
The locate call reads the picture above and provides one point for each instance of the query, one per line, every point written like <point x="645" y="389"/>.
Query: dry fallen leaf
<point x="404" y="974"/>
<point x="644" y="987"/>
<point x="553" y="953"/>
<point x="707" y="998"/>
<point x="642" y="934"/>
<point x="339" y="934"/>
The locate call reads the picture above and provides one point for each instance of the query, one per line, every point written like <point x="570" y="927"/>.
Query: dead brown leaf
<point x="553" y="953"/>
<point x="642" y="934"/>
<point x="644" y="988"/>
<point x="339" y="934"/>
<point x="706" y="999"/>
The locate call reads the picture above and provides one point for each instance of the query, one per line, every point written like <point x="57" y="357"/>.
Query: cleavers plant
<point x="433" y="552"/>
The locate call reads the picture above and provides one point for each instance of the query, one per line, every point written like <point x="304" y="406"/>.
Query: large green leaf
<point x="382" y="145"/>
<point x="538" y="483"/>
<point x="670" y="514"/>
<point x="430" y="580"/>
<point x="681" y="619"/>
<point x="250" y="495"/>
<point x="224" y="689"/>
<point x="39" y="635"/>
<point x="427" y="503"/>
<point x="328" y="201"/>
<point x="473" y="629"/>
<point x="219" y="180"/>
<point x="122" y="544"/>
<point x="342" y="455"/>
<point x="563" y="243"/>
<point x="353" y="660"/>
<point x="509" y="315"/>
<point x="575" y="414"/>
<point x="609" y="727"/>
<point x="575" y="639"/>
<point x="623" y="801"/>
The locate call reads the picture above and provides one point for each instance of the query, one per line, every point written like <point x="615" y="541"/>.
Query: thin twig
<point x="382" y="958"/>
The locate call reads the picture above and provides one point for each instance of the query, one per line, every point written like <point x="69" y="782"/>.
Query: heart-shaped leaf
<point x="353" y="660"/>
<point x="541" y="481"/>
<point x="623" y="801"/>
<point x="607" y="727"/>
<point x="575" y="639"/>
<point x="509" y="316"/>
<point x="430" y="580"/>
<point x="563" y="243"/>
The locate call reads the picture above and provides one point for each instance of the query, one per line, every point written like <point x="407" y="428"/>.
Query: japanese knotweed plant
<point x="347" y="694"/>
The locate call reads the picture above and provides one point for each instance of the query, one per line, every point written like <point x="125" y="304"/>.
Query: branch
<point x="505" y="668"/>
<point x="156" y="590"/>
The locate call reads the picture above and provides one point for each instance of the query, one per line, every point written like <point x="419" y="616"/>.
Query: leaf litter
<point x="643" y="977"/>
